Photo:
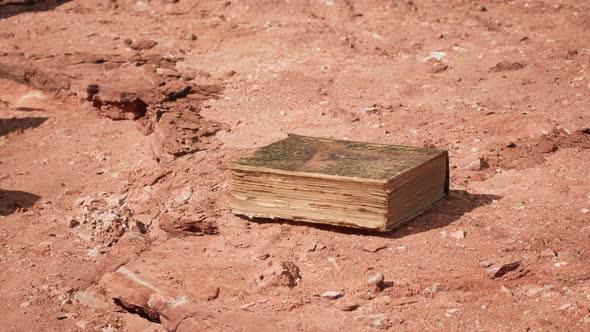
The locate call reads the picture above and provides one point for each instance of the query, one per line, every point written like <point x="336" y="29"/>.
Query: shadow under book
<point x="326" y="181"/>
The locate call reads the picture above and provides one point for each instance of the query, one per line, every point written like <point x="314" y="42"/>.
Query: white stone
<point x="377" y="279"/>
<point x="460" y="234"/>
<point x="332" y="295"/>
<point x="182" y="196"/>
<point x="435" y="55"/>
<point x="451" y="312"/>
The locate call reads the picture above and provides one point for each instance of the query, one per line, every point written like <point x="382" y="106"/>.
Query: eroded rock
<point x="141" y="44"/>
<point x="180" y="225"/>
<point x="500" y="269"/>
<point x="104" y="219"/>
<point x="507" y="66"/>
<point x="284" y="274"/>
<point x="332" y="295"/>
<point x="178" y="133"/>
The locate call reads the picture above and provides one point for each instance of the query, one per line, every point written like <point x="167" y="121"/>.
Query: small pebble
<point x="485" y="263"/>
<point x="247" y="305"/>
<point x="451" y="312"/>
<point x="460" y="234"/>
<point x="263" y="256"/>
<point x="190" y="36"/>
<point x="332" y="295"/>
<point x="376" y="280"/>
<point x="498" y="270"/>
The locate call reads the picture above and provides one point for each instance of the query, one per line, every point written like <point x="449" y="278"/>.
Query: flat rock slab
<point x="498" y="270"/>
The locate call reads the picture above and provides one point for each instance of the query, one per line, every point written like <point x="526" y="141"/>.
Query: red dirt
<point x="118" y="119"/>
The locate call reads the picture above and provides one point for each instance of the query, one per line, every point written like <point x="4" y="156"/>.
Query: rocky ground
<point x="118" y="119"/>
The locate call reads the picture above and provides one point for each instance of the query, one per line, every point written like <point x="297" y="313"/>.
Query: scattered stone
<point x="485" y="264"/>
<point x="247" y="305"/>
<point x="370" y="110"/>
<point x="548" y="253"/>
<point x="73" y="223"/>
<point x="348" y="306"/>
<point x="376" y="280"/>
<point x="451" y="312"/>
<point x="141" y="44"/>
<point x="506" y="290"/>
<point x="374" y="247"/>
<point x="507" y="66"/>
<point x="183" y="225"/>
<point x="167" y="72"/>
<point x="584" y="211"/>
<point x="99" y="220"/>
<point x="498" y="270"/>
<point x="560" y="264"/>
<point x="284" y="274"/>
<point x="481" y="8"/>
<point x="565" y="306"/>
<point x="63" y="316"/>
<point x="182" y="196"/>
<point x="229" y="73"/>
<point x="438" y="56"/>
<point x="435" y="288"/>
<point x="93" y="252"/>
<point x="25" y="304"/>
<point x="460" y="234"/>
<point x="438" y="67"/>
<point x="115" y="201"/>
<point x="263" y="256"/>
<point x="332" y="295"/>
<point x="190" y="36"/>
<point x="379" y="321"/>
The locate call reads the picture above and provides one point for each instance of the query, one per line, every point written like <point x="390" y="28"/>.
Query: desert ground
<point x="118" y="120"/>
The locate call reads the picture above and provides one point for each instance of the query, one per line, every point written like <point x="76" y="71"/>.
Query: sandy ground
<point x="118" y="119"/>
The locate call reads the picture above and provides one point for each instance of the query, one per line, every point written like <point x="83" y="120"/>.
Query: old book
<point x="338" y="182"/>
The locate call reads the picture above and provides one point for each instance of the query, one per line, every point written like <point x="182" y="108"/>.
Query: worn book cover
<point x="338" y="182"/>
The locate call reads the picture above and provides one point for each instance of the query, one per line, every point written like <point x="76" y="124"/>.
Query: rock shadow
<point x="445" y="212"/>
<point x="10" y="8"/>
<point x="15" y="124"/>
<point x="14" y="200"/>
